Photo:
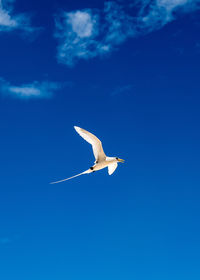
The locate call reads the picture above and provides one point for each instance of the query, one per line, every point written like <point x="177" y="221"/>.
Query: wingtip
<point x="76" y="128"/>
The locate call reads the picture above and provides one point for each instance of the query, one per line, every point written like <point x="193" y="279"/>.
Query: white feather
<point x="85" y="172"/>
<point x="94" y="141"/>
<point x="111" y="168"/>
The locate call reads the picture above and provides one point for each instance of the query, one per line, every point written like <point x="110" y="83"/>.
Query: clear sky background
<point x="128" y="71"/>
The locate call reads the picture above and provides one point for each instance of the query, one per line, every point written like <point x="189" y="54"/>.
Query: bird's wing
<point x="85" y="172"/>
<point x="111" y="168"/>
<point x="94" y="141"/>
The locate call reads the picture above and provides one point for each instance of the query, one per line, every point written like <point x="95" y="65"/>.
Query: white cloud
<point x="81" y="34"/>
<point x="5" y="18"/>
<point x="155" y="14"/>
<point x="82" y="23"/>
<point x="10" y="21"/>
<point x="36" y="89"/>
<point x="85" y="34"/>
<point x="76" y="32"/>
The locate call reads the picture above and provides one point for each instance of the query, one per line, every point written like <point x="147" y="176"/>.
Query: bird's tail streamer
<point x="85" y="172"/>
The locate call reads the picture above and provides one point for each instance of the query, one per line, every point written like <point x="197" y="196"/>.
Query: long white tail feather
<point x="85" y="172"/>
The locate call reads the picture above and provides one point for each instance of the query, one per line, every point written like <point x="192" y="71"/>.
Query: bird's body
<point x="103" y="164"/>
<point x="101" y="160"/>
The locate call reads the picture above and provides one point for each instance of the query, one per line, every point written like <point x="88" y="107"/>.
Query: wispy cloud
<point x="121" y="90"/>
<point x="10" y="21"/>
<point x="76" y="32"/>
<point x="155" y="14"/>
<point x="36" y="89"/>
<point x="84" y="34"/>
<point x="5" y="240"/>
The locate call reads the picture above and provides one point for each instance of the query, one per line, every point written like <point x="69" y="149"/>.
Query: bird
<point x="101" y="160"/>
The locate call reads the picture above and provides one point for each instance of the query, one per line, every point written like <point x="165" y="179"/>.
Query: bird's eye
<point x="117" y="158"/>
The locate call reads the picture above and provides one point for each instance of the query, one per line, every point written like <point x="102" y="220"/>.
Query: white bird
<point x="101" y="160"/>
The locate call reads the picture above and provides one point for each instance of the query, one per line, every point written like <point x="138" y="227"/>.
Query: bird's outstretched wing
<point x="111" y="168"/>
<point x="94" y="141"/>
<point x="85" y="172"/>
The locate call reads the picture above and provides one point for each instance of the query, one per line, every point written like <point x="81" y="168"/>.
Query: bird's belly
<point x="101" y="165"/>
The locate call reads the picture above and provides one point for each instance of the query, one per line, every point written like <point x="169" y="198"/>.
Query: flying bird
<point x="101" y="160"/>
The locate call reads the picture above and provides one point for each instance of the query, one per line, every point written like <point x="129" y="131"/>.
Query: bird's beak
<point x="121" y="160"/>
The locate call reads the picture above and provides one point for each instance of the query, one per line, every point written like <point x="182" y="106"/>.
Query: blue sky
<point x="127" y="71"/>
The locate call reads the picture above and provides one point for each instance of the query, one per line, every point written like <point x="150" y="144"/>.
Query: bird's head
<point x="119" y="160"/>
